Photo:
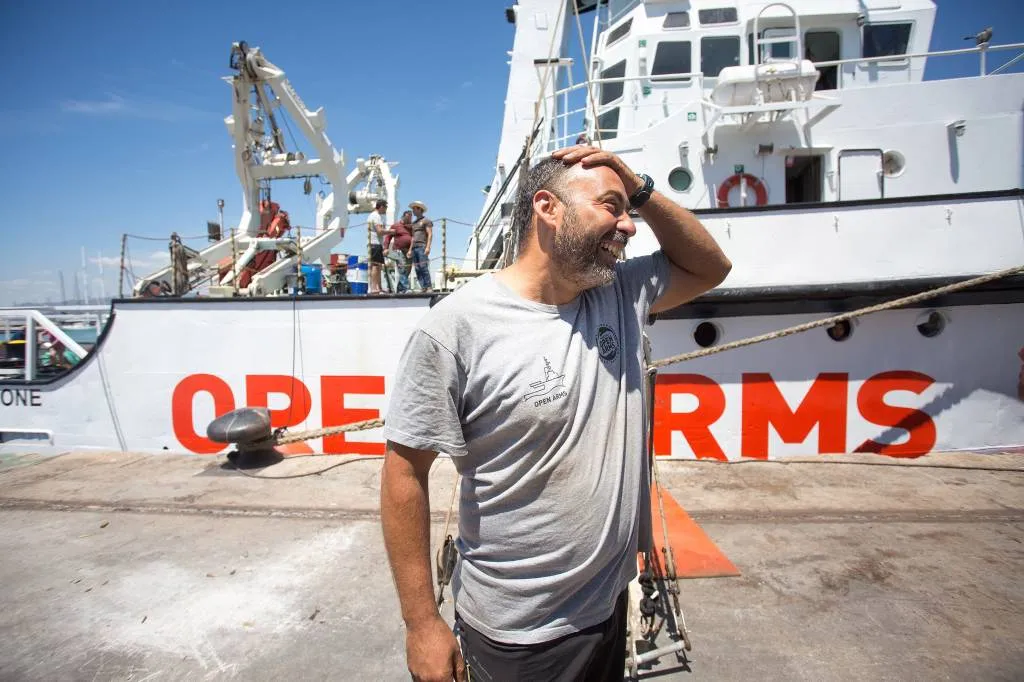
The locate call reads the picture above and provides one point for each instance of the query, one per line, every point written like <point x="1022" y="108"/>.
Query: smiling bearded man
<point x="531" y="379"/>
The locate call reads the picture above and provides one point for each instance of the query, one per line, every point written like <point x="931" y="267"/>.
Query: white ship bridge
<point x="804" y="134"/>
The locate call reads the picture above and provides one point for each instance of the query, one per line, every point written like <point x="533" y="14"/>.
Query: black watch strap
<point x="641" y="196"/>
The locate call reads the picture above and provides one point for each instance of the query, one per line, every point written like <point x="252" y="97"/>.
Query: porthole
<point x="840" y="331"/>
<point x="706" y="334"/>
<point x="931" y="324"/>
<point x="680" y="179"/>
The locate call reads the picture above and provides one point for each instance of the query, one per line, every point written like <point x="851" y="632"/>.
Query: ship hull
<point x="163" y="369"/>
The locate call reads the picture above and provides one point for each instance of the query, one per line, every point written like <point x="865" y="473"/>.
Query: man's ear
<point x="546" y="206"/>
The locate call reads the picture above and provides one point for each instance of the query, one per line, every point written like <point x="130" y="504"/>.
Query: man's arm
<point x="697" y="262"/>
<point x="429" y="228"/>
<point x="432" y="652"/>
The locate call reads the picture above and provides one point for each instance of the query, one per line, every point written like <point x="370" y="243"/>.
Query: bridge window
<point x="671" y="58"/>
<point x="778" y="51"/>
<point x="676" y="20"/>
<point x="619" y="32"/>
<point x="613" y="91"/>
<point x="718" y="52"/>
<point x="608" y="124"/>
<point x="883" y="40"/>
<point x="721" y="15"/>
<point x="823" y="46"/>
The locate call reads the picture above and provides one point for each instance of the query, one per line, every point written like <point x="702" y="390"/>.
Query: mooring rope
<point x="828" y="321"/>
<point x="283" y="437"/>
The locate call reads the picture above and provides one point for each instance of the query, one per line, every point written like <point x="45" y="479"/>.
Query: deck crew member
<point x="398" y="247"/>
<point x="422" y="234"/>
<point x="375" y="226"/>
<point x="531" y="380"/>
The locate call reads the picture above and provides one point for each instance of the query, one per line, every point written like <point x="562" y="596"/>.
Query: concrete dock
<point x="135" y="567"/>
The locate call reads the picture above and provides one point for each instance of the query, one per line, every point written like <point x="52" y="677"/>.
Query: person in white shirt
<point x="375" y="226"/>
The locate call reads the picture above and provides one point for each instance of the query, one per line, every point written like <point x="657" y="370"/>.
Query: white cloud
<point x="106" y="260"/>
<point x="133" y="107"/>
<point x="112" y="105"/>
<point x="442" y="104"/>
<point x="467" y="84"/>
<point x="153" y="256"/>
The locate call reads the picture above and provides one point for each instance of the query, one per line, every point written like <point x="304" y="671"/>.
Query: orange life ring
<point x="734" y="180"/>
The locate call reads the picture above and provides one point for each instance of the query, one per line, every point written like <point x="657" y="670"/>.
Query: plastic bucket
<point x="358" y="278"/>
<point x="313" y="272"/>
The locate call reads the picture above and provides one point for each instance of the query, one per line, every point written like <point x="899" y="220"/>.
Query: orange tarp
<point x="696" y="555"/>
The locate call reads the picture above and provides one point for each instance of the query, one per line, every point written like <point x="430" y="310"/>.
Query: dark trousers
<point x="596" y="654"/>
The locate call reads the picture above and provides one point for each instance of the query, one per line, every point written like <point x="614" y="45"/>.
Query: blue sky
<point x="112" y="119"/>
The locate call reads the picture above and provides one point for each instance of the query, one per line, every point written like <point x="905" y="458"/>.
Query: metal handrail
<point x="1007" y="64"/>
<point x="797" y="38"/>
<point x="834" y="62"/>
<point x="700" y="78"/>
<point x="32" y="318"/>
<point x="920" y="55"/>
<point x="663" y="77"/>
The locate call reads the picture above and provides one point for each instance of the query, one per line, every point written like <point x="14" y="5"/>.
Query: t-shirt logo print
<point x="551" y="381"/>
<point x="607" y="343"/>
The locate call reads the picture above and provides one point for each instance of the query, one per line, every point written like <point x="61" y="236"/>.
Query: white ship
<point x="804" y="136"/>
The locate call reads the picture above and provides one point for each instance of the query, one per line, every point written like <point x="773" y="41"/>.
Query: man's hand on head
<point x="588" y="157"/>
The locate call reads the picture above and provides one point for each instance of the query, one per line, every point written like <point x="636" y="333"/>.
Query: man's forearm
<point x="405" y="518"/>
<point x="684" y="239"/>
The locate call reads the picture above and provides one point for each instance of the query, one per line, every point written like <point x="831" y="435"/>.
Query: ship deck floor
<point x="164" y="567"/>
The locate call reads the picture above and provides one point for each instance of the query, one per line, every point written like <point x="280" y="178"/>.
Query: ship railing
<point x="563" y="132"/>
<point x="31" y="321"/>
<point x="981" y="50"/>
<point x="562" y="119"/>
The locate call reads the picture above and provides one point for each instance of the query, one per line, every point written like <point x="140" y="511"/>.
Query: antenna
<point x="85" y="279"/>
<point x="99" y="263"/>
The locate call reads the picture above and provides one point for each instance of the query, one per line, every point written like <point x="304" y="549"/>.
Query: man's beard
<point x="578" y="254"/>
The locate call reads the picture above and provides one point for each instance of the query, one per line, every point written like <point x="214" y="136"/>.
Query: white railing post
<point x="30" y="347"/>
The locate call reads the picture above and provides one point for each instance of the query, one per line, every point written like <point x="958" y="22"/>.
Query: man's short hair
<point x="381" y="204"/>
<point x="547" y="174"/>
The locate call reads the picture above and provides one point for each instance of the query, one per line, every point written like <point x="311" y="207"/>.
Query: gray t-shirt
<point x="419" y="231"/>
<point x="541" y="409"/>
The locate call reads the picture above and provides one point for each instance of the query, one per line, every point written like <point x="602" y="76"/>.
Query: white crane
<point x="262" y="259"/>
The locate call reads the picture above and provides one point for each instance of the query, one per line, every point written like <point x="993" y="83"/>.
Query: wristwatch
<point x="641" y="196"/>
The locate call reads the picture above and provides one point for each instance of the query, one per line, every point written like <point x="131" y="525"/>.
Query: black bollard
<point x="248" y="429"/>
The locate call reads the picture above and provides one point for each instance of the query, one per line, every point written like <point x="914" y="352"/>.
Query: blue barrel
<point x="313" y="272"/>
